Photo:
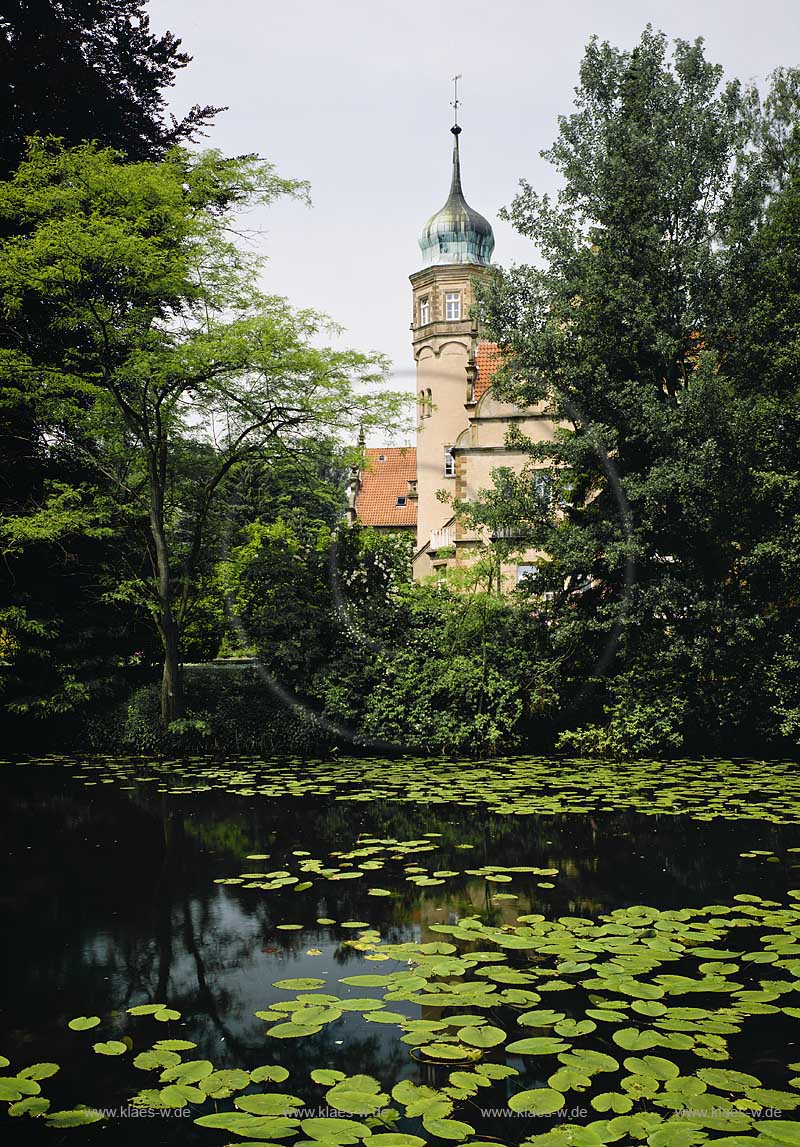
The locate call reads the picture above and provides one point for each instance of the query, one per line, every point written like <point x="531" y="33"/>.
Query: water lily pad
<point x="780" y="1131"/>
<point x="272" y="1103"/>
<point x="302" y="984"/>
<point x="612" y="1101"/>
<point x="221" y="1084"/>
<point x="539" y="1018"/>
<point x="395" y="1139"/>
<point x="675" y="1134"/>
<point x="569" y="1079"/>
<point x="632" y="1039"/>
<point x="111" y="1047"/>
<point x="32" y="1105"/>
<point x="150" y="1060"/>
<point x="483" y="1037"/>
<point x="259" y="1126"/>
<point x="537" y="1045"/>
<point x="82" y="1024"/>
<point x="448" y="1129"/>
<point x="291" y="1030"/>
<point x="726" y="1080"/>
<point x="574" y="1028"/>
<point x="164" y="1015"/>
<point x="539" y="1101"/>
<point x="76" y="1117"/>
<point x="357" y="1095"/>
<point x="272" y="1073"/>
<point x="366" y="980"/>
<point x="653" y="1065"/>
<point x="192" y="1071"/>
<point x="447" y="1051"/>
<point x="327" y="1077"/>
<point x="39" y="1071"/>
<point x="344" y="1131"/>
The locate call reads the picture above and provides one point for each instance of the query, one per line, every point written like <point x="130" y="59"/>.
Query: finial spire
<point x="455" y="104"/>
<point x="455" y="182"/>
<point x="456" y="233"/>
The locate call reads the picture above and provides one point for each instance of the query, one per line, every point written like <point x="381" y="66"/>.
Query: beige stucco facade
<point x="442" y="350"/>
<point x="450" y="421"/>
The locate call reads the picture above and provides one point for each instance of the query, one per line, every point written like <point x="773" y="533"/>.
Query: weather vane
<point x="456" y="102"/>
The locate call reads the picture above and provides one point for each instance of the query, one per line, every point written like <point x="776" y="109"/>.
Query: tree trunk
<point x="168" y="627"/>
<point x="171" y="683"/>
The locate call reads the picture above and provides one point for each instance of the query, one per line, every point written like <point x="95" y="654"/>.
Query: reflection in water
<point x="109" y="900"/>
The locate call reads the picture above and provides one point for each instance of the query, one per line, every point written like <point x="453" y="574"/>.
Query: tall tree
<point x="624" y="330"/>
<point x="79" y="70"/>
<point x="161" y="341"/>
<point x="89" y="70"/>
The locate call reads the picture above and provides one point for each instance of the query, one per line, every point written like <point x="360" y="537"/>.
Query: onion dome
<point x="456" y="233"/>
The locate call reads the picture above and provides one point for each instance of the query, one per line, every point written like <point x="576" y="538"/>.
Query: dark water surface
<point x="109" y="900"/>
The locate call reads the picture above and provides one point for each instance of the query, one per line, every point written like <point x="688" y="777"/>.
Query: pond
<point x="400" y="952"/>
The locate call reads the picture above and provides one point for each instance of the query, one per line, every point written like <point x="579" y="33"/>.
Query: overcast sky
<point x="354" y="95"/>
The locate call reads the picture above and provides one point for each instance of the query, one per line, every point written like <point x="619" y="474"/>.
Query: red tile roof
<point x="488" y="358"/>
<point x="383" y="481"/>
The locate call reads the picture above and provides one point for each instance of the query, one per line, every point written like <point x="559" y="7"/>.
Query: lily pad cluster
<point x="22" y="1092"/>
<point x="633" y="1019"/>
<point x="520" y="786"/>
<point x="630" y="1017"/>
<point x="373" y="855"/>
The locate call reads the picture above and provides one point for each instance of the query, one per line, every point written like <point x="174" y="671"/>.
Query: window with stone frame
<point x="452" y="306"/>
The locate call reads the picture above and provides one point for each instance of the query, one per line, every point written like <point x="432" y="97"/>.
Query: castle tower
<point x="456" y="245"/>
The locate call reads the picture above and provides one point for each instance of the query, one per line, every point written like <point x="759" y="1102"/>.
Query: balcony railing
<point x="440" y="539"/>
<point x="507" y="533"/>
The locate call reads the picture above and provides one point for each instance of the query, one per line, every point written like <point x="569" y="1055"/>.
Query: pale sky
<point x="354" y="96"/>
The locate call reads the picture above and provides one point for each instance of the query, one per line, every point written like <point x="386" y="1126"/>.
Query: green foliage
<point x="633" y="729"/>
<point x="661" y="330"/>
<point x="449" y="671"/>
<point x="162" y="367"/>
<point x="228" y="708"/>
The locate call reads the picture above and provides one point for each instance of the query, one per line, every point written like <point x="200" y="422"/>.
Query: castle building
<point x="461" y="426"/>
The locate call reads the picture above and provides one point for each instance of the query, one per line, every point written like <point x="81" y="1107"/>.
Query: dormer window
<point x="452" y="306"/>
<point x="425" y="310"/>
<point x="449" y="462"/>
<point x="401" y="500"/>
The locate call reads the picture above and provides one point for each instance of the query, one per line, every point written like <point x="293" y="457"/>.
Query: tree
<point x="160" y="341"/>
<point x="89" y="70"/>
<point x="80" y="70"/>
<point x="629" y="329"/>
